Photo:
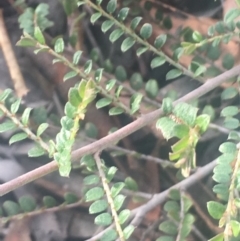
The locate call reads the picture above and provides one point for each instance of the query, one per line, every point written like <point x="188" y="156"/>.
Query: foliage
<point x="179" y="119"/>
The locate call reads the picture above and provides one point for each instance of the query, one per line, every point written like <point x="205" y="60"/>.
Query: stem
<point x="109" y="197"/>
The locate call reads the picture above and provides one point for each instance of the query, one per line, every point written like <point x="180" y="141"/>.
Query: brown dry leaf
<point x="182" y="20"/>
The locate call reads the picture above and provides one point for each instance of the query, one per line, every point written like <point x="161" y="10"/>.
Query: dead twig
<point x="14" y="70"/>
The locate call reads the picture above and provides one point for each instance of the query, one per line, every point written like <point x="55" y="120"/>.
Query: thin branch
<point x="39" y="211"/>
<point x="109" y="197"/>
<point x="14" y="70"/>
<point x="157" y="199"/>
<point x="118" y="135"/>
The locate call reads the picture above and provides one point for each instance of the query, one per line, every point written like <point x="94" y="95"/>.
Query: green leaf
<point x="41" y="129"/>
<point x="127" y="44"/>
<point x="111" y="173"/>
<point x="231" y="123"/>
<point x="187" y="203"/>
<point x="91" y="179"/>
<point x="25" y="116"/>
<point x="135" y="102"/>
<point x="116" y="188"/>
<point x="152" y="88"/>
<point x="233" y="135"/>
<point x="27" y="203"/>
<point x="141" y="51"/>
<point x="202" y="121"/>
<point x="229" y="93"/>
<point x="91" y="130"/>
<point x="110" y="84"/>
<point x="5" y="94"/>
<point x="231" y="15"/>
<point x="180" y="131"/>
<point x="166" y="238"/>
<point x="116" y="111"/>
<point x="118" y="201"/>
<point x="211" y="30"/>
<point x="70" y="110"/>
<point x="98" y="206"/>
<point x="219" y="237"/>
<point x="49" y="201"/>
<point x="121" y="73"/>
<point x="128" y="231"/>
<point x="135" y="22"/>
<point x="87" y="160"/>
<point x="38" y="35"/>
<point x="11" y="208"/>
<point x="166" y="125"/>
<point x="167" y="22"/>
<point x="103" y="102"/>
<point x="74" y="97"/>
<point x="36" y="152"/>
<point x="228" y="61"/>
<point x="167" y="105"/>
<point x="171" y="206"/>
<point x="123" y="14"/>
<point x="146" y="31"/>
<point x="160" y="41"/>
<point x="174" y="73"/>
<point x="15" y="106"/>
<point x="18" y="137"/>
<point x="70" y="198"/>
<point x="200" y="70"/>
<point x="157" y="61"/>
<point x="59" y="45"/>
<point x="106" y="25"/>
<point x="222" y="191"/>
<point x="103" y="219"/>
<point x="123" y="216"/>
<point x="178" y="52"/>
<point x="168" y="227"/>
<point x="56" y="61"/>
<point x="131" y="184"/>
<point x="197" y="37"/>
<point x="210" y="111"/>
<point x="95" y="17"/>
<point x="76" y="57"/>
<point x="94" y="194"/>
<point x="235" y="225"/>
<point x="136" y="81"/>
<point x="88" y="67"/>
<point x="7" y="126"/>
<point x="42" y="49"/>
<point x="216" y="209"/>
<point x="174" y="194"/>
<point x="98" y="75"/>
<point x="221" y="177"/>
<point x="186" y="113"/>
<point x="115" y="35"/>
<point x="111" y="6"/>
<point x="69" y="75"/>
<point x="228" y="147"/>
<point x="26" y="42"/>
<point x="109" y="235"/>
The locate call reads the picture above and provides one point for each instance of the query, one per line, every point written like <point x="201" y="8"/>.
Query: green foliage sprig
<point x="182" y="122"/>
<point x="27" y="206"/>
<point x="180" y="221"/>
<point x="79" y="98"/>
<point x="105" y="196"/>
